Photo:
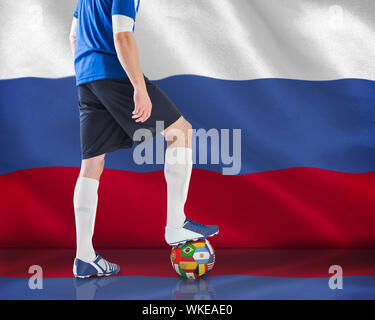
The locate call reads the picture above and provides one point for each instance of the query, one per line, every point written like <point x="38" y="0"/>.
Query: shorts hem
<point x="178" y="116"/>
<point x="115" y="148"/>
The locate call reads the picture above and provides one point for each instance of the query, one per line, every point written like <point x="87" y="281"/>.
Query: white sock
<point x="177" y="171"/>
<point x="85" y="202"/>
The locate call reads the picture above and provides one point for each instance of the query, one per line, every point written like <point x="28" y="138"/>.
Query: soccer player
<point x="115" y="100"/>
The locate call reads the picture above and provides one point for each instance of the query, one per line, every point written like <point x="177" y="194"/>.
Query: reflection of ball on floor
<point x="199" y="289"/>
<point x="193" y="259"/>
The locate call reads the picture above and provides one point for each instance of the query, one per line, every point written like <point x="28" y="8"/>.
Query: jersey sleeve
<point x="124" y="7"/>
<point x="73" y="28"/>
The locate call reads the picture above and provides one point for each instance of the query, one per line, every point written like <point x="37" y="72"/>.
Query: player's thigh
<point x="100" y="132"/>
<point x="117" y="96"/>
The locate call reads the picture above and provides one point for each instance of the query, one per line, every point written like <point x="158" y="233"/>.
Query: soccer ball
<point x="193" y="259"/>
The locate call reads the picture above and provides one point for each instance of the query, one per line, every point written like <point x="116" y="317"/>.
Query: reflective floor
<point x="238" y="274"/>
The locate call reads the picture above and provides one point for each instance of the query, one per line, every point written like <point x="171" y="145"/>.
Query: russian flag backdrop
<point x="296" y="76"/>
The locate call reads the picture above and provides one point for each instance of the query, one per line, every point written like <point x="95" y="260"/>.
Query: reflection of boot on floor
<point x="86" y="289"/>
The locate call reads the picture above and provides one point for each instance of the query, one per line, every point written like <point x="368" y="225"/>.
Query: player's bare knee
<point x="188" y="130"/>
<point x="92" y="167"/>
<point x="179" y="133"/>
<point x="188" y="127"/>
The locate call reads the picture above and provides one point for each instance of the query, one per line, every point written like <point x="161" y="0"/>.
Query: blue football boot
<point x="99" y="267"/>
<point x="190" y="231"/>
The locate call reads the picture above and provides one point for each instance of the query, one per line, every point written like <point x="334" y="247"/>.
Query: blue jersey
<point x="95" y="54"/>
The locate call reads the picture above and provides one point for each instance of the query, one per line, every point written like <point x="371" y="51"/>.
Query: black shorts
<point x="106" y="108"/>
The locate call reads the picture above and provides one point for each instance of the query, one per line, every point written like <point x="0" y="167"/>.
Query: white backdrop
<point x="228" y="39"/>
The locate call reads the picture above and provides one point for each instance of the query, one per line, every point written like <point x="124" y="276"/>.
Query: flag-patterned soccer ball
<point x="193" y="259"/>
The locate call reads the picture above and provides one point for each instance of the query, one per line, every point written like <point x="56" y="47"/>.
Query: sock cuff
<point x="179" y="155"/>
<point x="88" y="182"/>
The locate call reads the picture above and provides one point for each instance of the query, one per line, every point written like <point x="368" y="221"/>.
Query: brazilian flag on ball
<point x="193" y="259"/>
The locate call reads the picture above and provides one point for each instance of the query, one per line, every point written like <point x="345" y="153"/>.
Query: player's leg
<point x="100" y="134"/>
<point x="85" y="203"/>
<point x="177" y="170"/>
<point x="88" y="262"/>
